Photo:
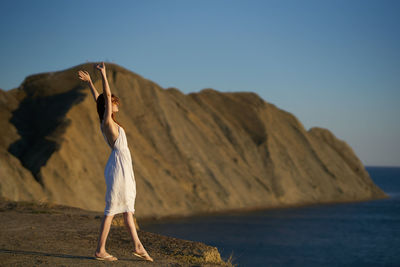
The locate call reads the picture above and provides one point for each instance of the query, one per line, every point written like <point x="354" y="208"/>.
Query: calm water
<point x="351" y="234"/>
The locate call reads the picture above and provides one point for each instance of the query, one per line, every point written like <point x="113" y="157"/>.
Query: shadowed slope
<point x="41" y="123"/>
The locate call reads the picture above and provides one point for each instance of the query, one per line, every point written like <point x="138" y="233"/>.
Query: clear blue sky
<point x="334" y="64"/>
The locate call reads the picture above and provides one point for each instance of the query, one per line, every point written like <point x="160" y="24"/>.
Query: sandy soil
<point x="34" y="234"/>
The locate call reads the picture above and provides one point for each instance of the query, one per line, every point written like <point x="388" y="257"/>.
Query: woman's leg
<point x="104" y="230"/>
<point x="130" y="225"/>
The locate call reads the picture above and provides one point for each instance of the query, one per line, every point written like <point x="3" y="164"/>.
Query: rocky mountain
<point x="192" y="153"/>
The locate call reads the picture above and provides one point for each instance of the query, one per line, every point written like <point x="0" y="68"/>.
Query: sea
<point x="346" y="234"/>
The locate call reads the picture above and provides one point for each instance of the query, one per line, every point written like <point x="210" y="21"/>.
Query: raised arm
<point x="84" y="76"/>
<point x="106" y="94"/>
<point x="94" y="91"/>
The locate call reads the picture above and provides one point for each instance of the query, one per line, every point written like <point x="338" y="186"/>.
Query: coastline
<point x="244" y="210"/>
<point x="48" y="234"/>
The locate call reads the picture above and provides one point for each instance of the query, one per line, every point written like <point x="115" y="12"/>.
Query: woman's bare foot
<point x="103" y="255"/>
<point x="142" y="252"/>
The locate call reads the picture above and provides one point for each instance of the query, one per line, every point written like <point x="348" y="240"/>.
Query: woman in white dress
<point x="118" y="173"/>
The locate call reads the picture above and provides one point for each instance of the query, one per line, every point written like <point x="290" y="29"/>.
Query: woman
<point x="118" y="173"/>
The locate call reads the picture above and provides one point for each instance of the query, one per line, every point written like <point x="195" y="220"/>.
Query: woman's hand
<point x="101" y="67"/>
<point x="84" y="76"/>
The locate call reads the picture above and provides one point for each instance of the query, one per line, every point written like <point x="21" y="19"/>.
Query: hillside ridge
<point x="200" y="152"/>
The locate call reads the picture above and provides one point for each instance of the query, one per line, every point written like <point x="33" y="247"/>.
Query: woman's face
<point x="114" y="107"/>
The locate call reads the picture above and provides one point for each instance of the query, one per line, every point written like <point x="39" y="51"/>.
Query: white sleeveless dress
<point x="119" y="177"/>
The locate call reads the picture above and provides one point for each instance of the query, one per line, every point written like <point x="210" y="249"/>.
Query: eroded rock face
<point x="192" y="153"/>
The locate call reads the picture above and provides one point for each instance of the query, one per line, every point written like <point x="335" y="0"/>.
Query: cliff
<point x="192" y="153"/>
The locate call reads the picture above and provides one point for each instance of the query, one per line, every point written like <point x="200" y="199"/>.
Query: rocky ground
<point x="42" y="234"/>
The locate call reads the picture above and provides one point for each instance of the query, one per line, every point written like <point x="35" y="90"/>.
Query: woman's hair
<point x="100" y="102"/>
